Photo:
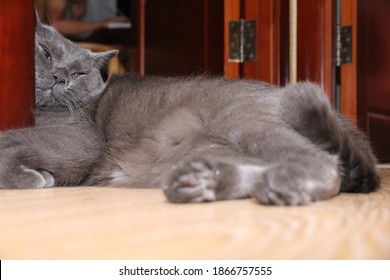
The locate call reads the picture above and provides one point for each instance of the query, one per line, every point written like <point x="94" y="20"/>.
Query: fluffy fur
<point x="200" y="139"/>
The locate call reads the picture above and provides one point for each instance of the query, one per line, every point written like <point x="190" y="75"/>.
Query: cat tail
<point x="305" y="108"/>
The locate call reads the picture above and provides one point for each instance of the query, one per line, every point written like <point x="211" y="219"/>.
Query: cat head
<point x="66" y="75"/>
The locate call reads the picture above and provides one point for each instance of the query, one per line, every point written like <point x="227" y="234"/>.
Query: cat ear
<point x="37" y="19"/>
<point x="102" y="58"/>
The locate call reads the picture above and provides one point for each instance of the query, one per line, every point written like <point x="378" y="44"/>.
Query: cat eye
<point x="45" y="52"/>
<point x="78" y="74"/>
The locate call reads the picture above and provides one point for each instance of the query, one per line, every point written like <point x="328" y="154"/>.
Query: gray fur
<point x="199" y="139"/>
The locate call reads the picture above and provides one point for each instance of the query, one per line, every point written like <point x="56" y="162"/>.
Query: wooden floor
<point x="113" y="223"/>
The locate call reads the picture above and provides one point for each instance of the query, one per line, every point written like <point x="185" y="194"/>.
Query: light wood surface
<point x="119" y="223"/>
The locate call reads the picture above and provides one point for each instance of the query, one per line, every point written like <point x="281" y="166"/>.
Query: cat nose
<point x="58" y="80"/>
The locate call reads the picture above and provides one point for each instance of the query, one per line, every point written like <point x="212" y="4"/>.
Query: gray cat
<point x="200" y="139"/>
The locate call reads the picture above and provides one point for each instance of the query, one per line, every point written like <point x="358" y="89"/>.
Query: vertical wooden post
<point x="232" y="12"/>
<point x="329" y="47"/>
<point x="141" y="37"/>
<point x="16" y="64"/>
<point x="349" y="71"/>
<point x="293" y="22"/>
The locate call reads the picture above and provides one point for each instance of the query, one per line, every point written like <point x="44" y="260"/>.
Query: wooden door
<point x="16" y="63"/>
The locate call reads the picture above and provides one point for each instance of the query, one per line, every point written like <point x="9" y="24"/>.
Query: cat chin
<point x="49" y="96"/>
<point x="47" y="103"/>
<point x="51" y="107"/>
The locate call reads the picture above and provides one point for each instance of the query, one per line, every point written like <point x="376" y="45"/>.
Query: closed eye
<point x="78" y="74"/>
<point x="45" y="52"/>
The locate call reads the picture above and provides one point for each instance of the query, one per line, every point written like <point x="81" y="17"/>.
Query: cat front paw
<point x="23" y="177"/>
<point x="192" y="181"/>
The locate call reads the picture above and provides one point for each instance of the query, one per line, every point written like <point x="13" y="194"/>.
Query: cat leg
<point x="38" y="178"/>
<point x="41" y="157"/>
<point x="298" y="180"/>
<point x="22" y="177"/>
<point x="209" y="178"/>
<point x="15" y="171"/>
<point x="295" y="172"/>
<point x="298" y="173"/>
<point x="294" y="181"/>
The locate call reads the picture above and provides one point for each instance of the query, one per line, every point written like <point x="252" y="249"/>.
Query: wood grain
<point x="120" y="223"/>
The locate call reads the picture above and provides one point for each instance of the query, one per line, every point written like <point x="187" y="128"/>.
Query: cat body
<point x="207" y="139"/>
<point x="200" y="139"/>
<point x="166" y="120"/>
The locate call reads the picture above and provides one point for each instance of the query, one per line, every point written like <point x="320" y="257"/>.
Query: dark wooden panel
<point x="311" y="40"/>
<point x="182" y="37"/>
<point x="16" y="63"/>
<point x="379" y="128"/>
<point x="214" y="36"/>
<point x="284" y="34"/>
<point x="374" y="72"/>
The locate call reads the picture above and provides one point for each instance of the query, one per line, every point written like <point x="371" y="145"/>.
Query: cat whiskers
<point x="77" y="107"/>
<point x="69" y="105"/>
